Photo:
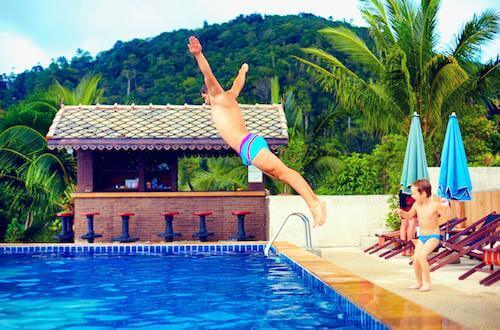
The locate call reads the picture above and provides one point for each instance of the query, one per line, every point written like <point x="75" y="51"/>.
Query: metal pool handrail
<point x="307" y="227"/>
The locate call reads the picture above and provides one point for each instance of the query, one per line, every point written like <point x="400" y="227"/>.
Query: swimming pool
<point x="207" y="286"/>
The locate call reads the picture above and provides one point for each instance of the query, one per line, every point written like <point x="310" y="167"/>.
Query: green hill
<point x="160" y="69"/>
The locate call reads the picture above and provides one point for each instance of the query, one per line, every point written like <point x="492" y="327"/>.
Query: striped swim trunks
<point x="250" y="146"/>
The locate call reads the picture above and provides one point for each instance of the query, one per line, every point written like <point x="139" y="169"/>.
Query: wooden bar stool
<point x="169" y="231"/>
<point x="90" y="235"/>
<point x="125" y="237"/>
<point x="241" y="235"/>
<point x="202" y="234"/>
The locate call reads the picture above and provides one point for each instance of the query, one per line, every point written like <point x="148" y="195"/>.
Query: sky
<point x="36" y="31"/>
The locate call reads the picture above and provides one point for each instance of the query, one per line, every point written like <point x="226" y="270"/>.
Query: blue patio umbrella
<point x="415" y="164"/>
<point x="454" y="179"/>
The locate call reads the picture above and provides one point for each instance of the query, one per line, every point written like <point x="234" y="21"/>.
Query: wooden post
<point x="173" y="163"/>
<point x="141" y="173"/>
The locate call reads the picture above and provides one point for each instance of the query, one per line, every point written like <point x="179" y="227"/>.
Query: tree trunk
<point x="27" y="223"/>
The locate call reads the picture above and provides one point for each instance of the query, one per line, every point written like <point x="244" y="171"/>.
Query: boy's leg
<point x="427" y="248"/>
<point x="267" y="162"/>
<point x="416" y="266"/>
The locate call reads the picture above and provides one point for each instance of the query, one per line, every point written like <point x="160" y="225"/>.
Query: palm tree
<point x="188" y="167"/>
<point x="312" y="147"/>
<point x="226" y="173"/>
<point x="34" y="180"/>
<point x="86" y="92"/>
<point x="407" y="73"/>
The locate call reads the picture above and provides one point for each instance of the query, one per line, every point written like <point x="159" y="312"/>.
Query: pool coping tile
<point x="389" y="308"/>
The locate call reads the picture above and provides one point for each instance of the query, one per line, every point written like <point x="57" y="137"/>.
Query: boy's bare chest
<point x="427" y="213"/>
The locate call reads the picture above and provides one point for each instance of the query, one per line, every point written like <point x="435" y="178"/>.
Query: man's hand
<point x="244" y="68"/>
<point x="194" y="45"/>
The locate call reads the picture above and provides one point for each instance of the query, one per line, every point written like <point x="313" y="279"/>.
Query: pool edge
<point x="385" y="306"/>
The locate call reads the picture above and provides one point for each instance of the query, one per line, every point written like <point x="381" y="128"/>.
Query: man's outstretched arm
<point x="211" y="82"/>
<point x="239" y="81"/>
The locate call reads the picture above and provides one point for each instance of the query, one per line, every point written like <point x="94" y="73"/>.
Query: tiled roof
<point x="156" y="127"/>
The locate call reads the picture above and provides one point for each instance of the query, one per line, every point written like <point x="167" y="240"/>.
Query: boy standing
<point x="253" y="149"/>
<point x="429" y="213"/>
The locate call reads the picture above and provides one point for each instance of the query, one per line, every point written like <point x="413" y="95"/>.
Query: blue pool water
<point x="182" y="291"/>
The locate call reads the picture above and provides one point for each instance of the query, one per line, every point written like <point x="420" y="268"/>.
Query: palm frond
<point x="275" y="90"/>
<point x="448" y="78"/>
<point x="43" y="106"/>
<point x="50" y="172"/>
<point x="293" y="113"/>
<point x="221" y="174"/>
<point x="322" y="167"/>
<point x="331" y="61"/>
<point x="58" y="94"/>
<point x="397" y="79"/>
<point x="24" y="139"/>
<point x="480" y="30"/>
<point x="483" y="83"/>
<point x="375" y="15"/>
<point x="354" y="47"/>
<point x="426" y="25"/>
<point x="87" y="92"/>
<point x="11" y="160"/>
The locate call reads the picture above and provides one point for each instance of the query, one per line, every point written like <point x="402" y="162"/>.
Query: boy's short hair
<point x="204" y="89"/>
<point x="423" y="185"/>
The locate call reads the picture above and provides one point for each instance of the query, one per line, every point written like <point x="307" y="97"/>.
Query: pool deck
<point x="466" y="302"/>
<point x="392" y="309"/>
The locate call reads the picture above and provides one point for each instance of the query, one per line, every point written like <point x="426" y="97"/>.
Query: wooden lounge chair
<point x="467" y="242"/>
<point x="491" y="258"/>
<point x="384" y="240"/>
<point x="393" y="237"/>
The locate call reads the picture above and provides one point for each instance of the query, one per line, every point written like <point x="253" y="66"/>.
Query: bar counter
<point x="147" y="222"/>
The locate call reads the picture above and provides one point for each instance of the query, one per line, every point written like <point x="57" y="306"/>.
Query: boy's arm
<point x="211" y="82"/>
<point x="239" y="81"/>
<point x="408" y="215"/>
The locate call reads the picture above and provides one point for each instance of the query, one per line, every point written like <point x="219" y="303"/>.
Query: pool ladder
<point x="307" y="227"/>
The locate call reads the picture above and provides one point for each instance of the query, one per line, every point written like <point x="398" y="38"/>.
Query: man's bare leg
<point x="267" y="162"/>
<point x="239" y="81"/>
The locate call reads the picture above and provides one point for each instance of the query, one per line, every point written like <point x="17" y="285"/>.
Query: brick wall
<point x="85" y="175"/>
<point x="148" y="222"/>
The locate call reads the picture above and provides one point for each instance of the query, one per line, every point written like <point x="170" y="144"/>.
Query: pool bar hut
<point x="127" y="165"/>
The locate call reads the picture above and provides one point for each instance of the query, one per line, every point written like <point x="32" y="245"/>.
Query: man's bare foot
<point x="425" y="287"/>
<point x="319" y="213"/>
<point x="415" y="286"/>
